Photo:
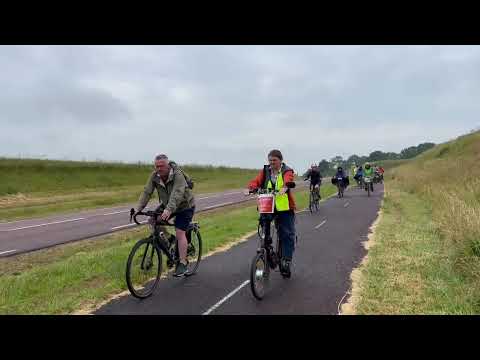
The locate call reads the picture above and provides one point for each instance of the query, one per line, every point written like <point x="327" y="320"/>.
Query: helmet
<point x="367" y="165"/>
<point x="339" y="168"/>
<point x="313" y="165"/>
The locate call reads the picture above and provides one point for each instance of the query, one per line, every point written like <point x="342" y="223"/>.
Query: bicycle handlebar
<point x="149" y="213"/>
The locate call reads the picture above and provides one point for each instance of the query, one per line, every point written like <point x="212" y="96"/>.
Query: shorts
<point x="184" y="218"/>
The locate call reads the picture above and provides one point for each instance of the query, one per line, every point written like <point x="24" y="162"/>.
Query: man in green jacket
<point x="175" y="197"/>
<point x="368" y="172"/>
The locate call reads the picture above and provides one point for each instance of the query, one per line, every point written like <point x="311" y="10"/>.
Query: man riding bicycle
<point x="368" y="172"/>
<point x="175" y="196"/>
<point x="315" y="178"/>
<point x="277" y="176"/>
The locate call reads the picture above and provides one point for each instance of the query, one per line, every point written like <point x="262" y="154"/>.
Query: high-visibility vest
<point x="281" y="201"/>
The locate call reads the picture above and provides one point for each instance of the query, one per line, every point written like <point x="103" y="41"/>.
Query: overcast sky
<point x="229" y="105"/>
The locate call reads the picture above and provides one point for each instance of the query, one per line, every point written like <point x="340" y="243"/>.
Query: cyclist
<point x="278" y="176"/>
<point x="341" y="173"/>
<point x="175" y="197"/>
<point x="369" y="172"/>
<point x="354" y="170"/>
<point x="359" y="175"/>
<point x="315" y="178"/>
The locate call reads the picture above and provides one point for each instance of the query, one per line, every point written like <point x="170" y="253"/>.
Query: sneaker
<point x="181" y="270"/>
<point x="285" y="269"/>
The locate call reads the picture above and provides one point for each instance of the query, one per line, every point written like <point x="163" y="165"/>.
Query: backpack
<point x="189" y="181"/>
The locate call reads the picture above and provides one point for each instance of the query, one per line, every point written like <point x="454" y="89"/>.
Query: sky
<point x="230" y="105"/>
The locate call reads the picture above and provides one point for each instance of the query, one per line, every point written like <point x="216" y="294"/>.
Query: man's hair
<point x="276" y="153"/>
<point x="161" y="157"/>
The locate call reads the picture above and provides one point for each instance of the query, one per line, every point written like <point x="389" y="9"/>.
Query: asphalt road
<point x="28" y="235"/>
<point x="328" y="249"/>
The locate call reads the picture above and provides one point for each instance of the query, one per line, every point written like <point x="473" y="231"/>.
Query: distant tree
<point x="324" y="167"/>
<point x="354" y="159"/>
<point x="376" y="155"/>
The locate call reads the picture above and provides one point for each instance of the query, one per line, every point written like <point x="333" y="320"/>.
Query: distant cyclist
<point x="175" y="196"/>
<point x="359" y="175"/>
<point x="354" y="170"/>
<point x="369" y="172"/>
<point x="315" y="178"/>
<point x="277" y="176"/>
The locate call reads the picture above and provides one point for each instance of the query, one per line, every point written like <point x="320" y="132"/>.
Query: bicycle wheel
<point x="144" y="266"/>
<point x="317" y="200"/>
<point x="194" y="252"/>
<point x="368" y="189"/>
<point x="259" y="273"/>
<point x="310" y="203"/>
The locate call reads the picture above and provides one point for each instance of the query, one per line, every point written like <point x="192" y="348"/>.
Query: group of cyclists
<point x="176" y="196"/>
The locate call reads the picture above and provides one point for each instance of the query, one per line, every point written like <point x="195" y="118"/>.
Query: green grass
<point x="426" y="255"/>
<point x="34" y="188"/>
<point x="65" y="278"/>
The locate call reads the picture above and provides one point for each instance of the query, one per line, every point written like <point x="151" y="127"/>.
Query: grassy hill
<point x="38" y="187"/>
<point x="425" y="251"/>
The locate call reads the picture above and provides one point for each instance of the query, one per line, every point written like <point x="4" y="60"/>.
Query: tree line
<point x="327" y="167"/>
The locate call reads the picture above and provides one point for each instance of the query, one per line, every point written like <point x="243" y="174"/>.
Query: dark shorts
<point x="184" y="218"/>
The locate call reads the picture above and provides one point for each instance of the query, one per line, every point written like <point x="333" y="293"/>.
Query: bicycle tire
<point x="254" y="276"/>
<point x="199" y="256"/>
<point x="128" y="272"/>
<point x="310" y="205"/>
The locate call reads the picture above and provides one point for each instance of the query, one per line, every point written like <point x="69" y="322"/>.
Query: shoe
<point x="181" y="270"/>
<point x="285" y="269"/>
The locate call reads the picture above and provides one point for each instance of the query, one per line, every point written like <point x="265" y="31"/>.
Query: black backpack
<point x="189" y="181"/>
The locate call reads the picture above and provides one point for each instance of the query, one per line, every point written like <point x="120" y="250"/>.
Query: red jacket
<point x="288" y="176"/>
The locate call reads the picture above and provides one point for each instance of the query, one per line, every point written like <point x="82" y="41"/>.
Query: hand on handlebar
<point x="165" y="215"/>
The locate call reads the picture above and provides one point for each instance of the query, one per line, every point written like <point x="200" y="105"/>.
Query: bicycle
<point x="340" y="187"/>
<point x="150" y="249"/>
<point x="267" y="258"/>
<point x="368" y="184"/>
<point x="314" y="199"/>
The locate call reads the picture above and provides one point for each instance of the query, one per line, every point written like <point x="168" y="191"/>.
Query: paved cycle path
<point x="328" y="249"/>
<point x="22" y="236"/>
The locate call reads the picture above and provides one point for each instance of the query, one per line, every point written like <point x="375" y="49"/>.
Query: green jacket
<point x="174" y="194"/>
<point x="368" y="172"/>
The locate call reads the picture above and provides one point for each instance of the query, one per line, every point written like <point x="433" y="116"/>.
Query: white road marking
<point x="52" y="223"/>
<point x="122" y="226"/>
<point x="321" y="224"/>
<point x="226" y="298"/>
<point x="346" y="204"/>
<point x="212" y="196"/>
<point x="116" y="212"/>
<point x="218" y="205"/>
<point x="6" y="252"/>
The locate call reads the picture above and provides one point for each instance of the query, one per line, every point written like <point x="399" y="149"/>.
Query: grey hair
<point x="161" y="157"/>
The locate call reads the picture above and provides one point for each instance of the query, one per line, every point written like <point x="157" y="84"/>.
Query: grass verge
<point x="34" y="188"/>
<point x="425" y="258"/>
<point x="65" y="278"/>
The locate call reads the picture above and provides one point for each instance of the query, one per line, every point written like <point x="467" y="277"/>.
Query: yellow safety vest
<point x="281" y="201"/>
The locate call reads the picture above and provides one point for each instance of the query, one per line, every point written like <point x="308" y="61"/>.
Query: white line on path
<point x="226" y="298"/>
<point x="218" y="205"/>
<point x="116" y="212"/>
<point x="122" y="226"/>
<point x="51" y="223"/>
<point x="346" y="204"/>
<point x="212" y="196"/>
<point x="6" y="252"/>
<point x="321" y="224"/>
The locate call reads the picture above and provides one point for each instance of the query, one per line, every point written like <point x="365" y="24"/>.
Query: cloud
<point x="231" y="104"/>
